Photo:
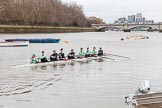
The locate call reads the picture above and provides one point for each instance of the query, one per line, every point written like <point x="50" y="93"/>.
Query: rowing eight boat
<point x="65" y="62"/>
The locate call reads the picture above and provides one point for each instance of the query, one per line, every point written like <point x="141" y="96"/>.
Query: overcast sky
<point x="110" y="10"/>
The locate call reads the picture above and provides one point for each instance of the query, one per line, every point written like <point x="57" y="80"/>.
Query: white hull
<point x="14" y="44"/>
<point x="61" y="62"/>
<point x="137" y="37"/>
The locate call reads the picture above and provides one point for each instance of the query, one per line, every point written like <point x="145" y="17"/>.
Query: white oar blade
<point x="118" y="60"/>
<point x="133" y="58"/>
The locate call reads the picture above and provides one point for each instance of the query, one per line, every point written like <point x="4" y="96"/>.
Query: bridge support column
<point x="160" y="27"/>
<point x="127" y="30"/>
<point x="100" y="30"/>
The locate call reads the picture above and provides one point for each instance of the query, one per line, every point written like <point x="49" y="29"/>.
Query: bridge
<point x="128" y="27"/>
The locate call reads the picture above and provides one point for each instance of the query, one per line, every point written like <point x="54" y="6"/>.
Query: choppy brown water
<point x="89" y="85"/>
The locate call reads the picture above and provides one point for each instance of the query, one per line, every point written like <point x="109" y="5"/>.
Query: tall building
<point x="131" y="19"/>
<point x="139" y="18"/>
<point x="143" y="19"/>
<point x="139" y="15"/>
<point x="122" y="20"/>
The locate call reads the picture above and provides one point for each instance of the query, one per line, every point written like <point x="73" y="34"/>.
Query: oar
<point x="121" y="56"/>
<point x="110" y="58"/>
<point x="93" y="58"/>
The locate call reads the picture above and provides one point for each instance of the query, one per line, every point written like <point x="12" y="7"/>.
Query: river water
<point x="80" y="85"/>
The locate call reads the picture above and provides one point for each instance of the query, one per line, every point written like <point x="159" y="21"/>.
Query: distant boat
<point x="14" y="44"/>
<point x="137" y="37"/>
<point x="66" y="41"/>
<point x="41" y="40"/>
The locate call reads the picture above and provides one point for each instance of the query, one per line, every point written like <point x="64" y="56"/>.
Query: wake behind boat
<point x="14" y="44"/>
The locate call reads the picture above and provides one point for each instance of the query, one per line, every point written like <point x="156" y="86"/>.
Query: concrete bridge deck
<point x="128" y="27"/>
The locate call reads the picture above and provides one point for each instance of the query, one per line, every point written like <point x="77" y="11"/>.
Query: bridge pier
<point x="150" y="29"/>
<point x="100" y="30"/>
<point x="127" y="30"/>
<point x="160" y="27"/>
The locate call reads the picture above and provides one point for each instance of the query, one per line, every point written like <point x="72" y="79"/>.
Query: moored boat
<point x="151" y="98"/>
<point x="143" y="97"/>
<point x="14" y="44"/>
<point x="137" y="37"/>
<point x="41" y="40"/>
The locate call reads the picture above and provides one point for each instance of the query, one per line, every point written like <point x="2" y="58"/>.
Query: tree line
<point x="41" y="12"/>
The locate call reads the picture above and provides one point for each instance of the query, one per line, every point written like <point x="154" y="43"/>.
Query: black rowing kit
<point x="61" y="56"/>
<point x="53" y="57"/>
<point x="71" y="55"/>
<point x="100" y="52"/>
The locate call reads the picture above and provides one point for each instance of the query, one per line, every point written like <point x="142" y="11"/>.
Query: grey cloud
<point x="110" y="10"/>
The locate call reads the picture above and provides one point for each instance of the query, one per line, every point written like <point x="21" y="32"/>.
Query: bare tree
<point x="41" y="12"/>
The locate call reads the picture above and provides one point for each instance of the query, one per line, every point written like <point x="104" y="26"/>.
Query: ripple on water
<point x="9" y="88"/>
<point x="90" y="85"/>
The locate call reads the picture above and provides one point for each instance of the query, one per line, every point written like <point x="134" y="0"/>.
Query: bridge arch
<point x="115" y="28"/>
<point x="147" y="27"/>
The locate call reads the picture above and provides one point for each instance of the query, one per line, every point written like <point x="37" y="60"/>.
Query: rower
<point x="34" y="59"/>
<point x="71" y="55"/>
<point x="100" y="52"/>
<point x="94" y="53"/>
<point x="53" y="57"/>
<point x="43" y="57"/>
<point x="81" y="53"/>
<point x="61" y="55"/>
<point x="88" y="53"/>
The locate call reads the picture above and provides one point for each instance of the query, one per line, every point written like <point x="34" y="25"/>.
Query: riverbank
<point x="42" y="29"/>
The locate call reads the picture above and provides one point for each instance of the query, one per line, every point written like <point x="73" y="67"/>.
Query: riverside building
<point x="131" y="19"/>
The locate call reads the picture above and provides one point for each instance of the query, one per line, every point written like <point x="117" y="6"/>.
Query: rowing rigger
<point x="66" y="61"/>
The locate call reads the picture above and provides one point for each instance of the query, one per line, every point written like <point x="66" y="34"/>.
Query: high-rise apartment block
<point x="139" y="18"/>
<point x="131" y="19"/>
